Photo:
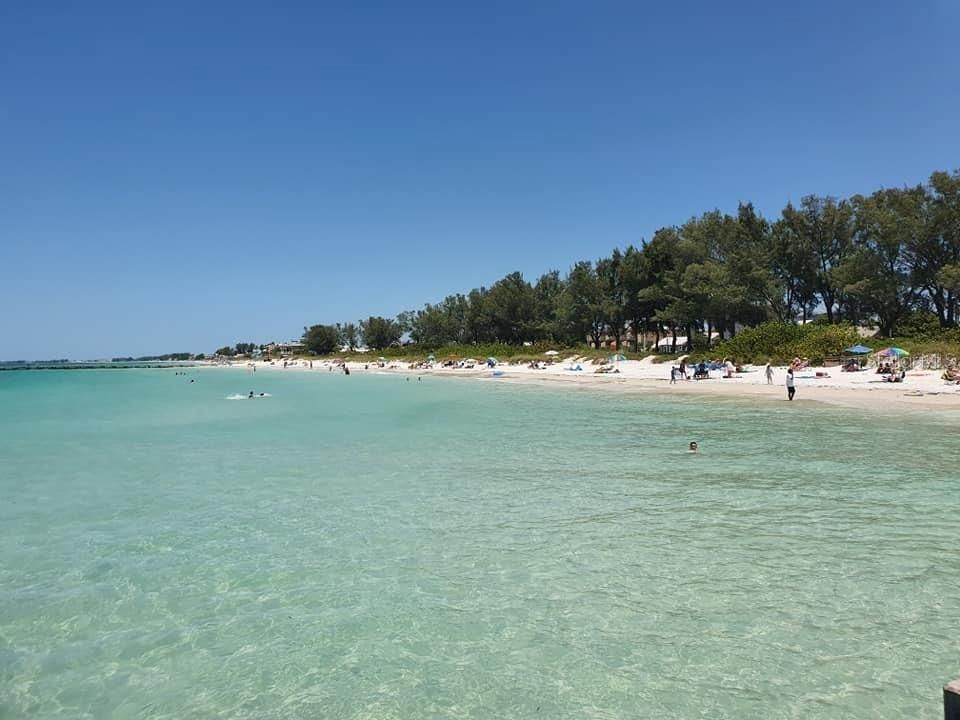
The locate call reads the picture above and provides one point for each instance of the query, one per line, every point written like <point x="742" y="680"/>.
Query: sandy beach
<point x="867" y="390"/>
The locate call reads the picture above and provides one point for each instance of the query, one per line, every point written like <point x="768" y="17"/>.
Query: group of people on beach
<point x="702" y="369"/>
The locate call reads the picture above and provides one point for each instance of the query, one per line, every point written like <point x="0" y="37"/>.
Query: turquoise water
<point x="368" y="547"/>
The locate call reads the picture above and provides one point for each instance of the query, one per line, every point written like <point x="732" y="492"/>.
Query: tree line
<point x="877" y="259"/>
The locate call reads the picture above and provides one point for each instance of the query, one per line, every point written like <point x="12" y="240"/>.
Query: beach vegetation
<point x="379" y="332"/>
<point x="887" y="263"/>
<point x="781" y="342"/>
<point x="349" y="335"/>
<point x="320" y="339"/>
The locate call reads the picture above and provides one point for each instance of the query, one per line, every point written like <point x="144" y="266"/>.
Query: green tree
<point x="226" y="351"/>
<point x="379" y="332"/>
<point x="510" y="305"/>
<point x="437" y="325"/>
<point x="794" y="266"/>
<point x="876" y="275"/>
<point x="824" y="228"/>
<point x="634" y="277"/>
<point x="479" y="323"/>
<point x="321" y="339"/>
<point x="581" y="305"/>
<point x="348" y="335"/>
<point x="612" y="295"/>
<point x="935" y="252"/>
<point x="661" y="295"/>
<point x="546" y="302"/>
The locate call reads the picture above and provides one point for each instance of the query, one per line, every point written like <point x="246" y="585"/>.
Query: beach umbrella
<point x="492" y="361"/>
<point x="551" y="352"/>
<point x="431" y="356"/>
<point x="381" y="358"/>
<point x="859" y="350"/>
<point x="893" y="352"/>
<point x="618" y="357"/>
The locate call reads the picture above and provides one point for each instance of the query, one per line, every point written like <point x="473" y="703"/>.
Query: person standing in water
<point x="790" y="388"/>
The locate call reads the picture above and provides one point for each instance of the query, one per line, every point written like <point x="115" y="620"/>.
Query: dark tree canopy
<point x="379" y="333"/>
<point x="890" y="259"/>
<point x="320" y="339"/>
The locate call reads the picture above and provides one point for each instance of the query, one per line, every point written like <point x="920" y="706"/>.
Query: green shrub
<point x="781" y="342"/>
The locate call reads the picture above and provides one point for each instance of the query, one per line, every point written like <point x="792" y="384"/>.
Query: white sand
<point x="921" y="389"/>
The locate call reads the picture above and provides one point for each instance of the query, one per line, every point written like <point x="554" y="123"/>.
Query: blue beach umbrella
<point x="859" y="350"/>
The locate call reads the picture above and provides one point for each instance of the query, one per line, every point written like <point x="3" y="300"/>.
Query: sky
<point x="179" y="176"/>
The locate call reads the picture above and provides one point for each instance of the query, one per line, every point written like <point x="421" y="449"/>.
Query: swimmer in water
<point x="693" y="446"/>
<point x="251" y="394"/>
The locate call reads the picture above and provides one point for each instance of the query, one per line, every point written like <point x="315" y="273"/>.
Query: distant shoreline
<point x="145" y="365"/>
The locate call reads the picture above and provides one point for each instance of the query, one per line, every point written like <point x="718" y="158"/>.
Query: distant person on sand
<point x="790" y="388"/>
<point x="683" y="369"/>
<point x="769" y="372"/>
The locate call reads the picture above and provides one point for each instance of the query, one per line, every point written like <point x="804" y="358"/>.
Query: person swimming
<point x="251" y="394"/>
<point x="693" y="446"/>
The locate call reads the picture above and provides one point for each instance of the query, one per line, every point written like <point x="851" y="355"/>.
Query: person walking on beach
<point x="769" y="372"/>
<point x="790" y="388"/>
<point x="683" y="369"/>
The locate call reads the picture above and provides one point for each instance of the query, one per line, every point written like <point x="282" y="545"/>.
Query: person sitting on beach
<point x="729" y="368"/>
<point x="952" y="375"/>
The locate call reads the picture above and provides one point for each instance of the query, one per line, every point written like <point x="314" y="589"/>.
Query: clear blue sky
<point x="177" y="176"/>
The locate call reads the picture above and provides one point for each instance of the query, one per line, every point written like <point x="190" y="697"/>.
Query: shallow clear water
<point x="369" y="547"/>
